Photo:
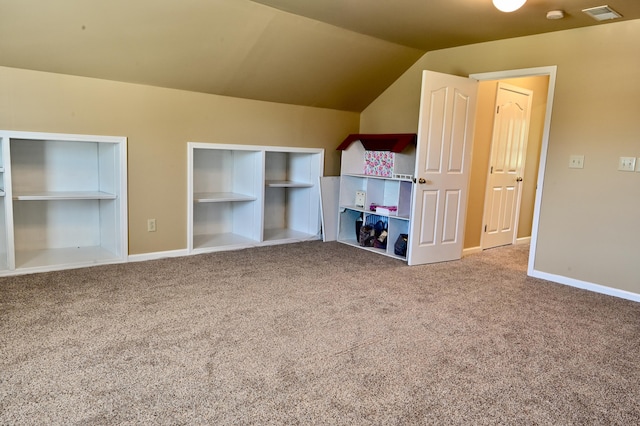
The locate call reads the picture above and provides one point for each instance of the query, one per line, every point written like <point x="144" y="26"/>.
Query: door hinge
<point x="485" y="228"/>
<point x="498" y="109"/>
<point x="491" y="170"/>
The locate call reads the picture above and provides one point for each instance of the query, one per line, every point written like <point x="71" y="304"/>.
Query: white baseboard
<point x="471" y="250"/>
<point x="585" y="285"/>
<point x="157" y="255"/>
<point x="478" y="249"/>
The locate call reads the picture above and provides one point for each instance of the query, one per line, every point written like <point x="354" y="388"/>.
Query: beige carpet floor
<point x="315" y="333"/>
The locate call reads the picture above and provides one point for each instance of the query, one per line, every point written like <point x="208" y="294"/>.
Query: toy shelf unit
<point x="242" y="196"/>
<point x="65" y="201"/>
<point x="384" y="198"/>
<point x="380" y="155"/>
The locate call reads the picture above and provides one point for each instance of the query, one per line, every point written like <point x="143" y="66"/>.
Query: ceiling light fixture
<point x="508" y="5"/>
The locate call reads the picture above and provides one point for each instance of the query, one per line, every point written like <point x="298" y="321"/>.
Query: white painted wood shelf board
<point x="360" y="175"/>
<point x="221" y="240"/>
<point x="287" y="234"/>
<point x="288" y="184"/>
<point x="367" y="211"/>
<point x="219" y="197"/>
<point x="64" y="195"/>
<point x="71" y="256"/>
<point x="384" y="252"/>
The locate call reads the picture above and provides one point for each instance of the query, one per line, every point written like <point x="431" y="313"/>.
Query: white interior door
<point x="443" y="160"/>
<point x="508" y="150"/>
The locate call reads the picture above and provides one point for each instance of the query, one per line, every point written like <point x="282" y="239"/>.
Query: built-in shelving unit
<point x="242" y="196"/>
<point x="65" y="201"/>
<point x="4" y="181"/>
<point x="292" y="195"/>
<point x="393" y="190"/>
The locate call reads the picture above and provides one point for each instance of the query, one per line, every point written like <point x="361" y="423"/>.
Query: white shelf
<point x="360" y="175"/>
<point x="64" y="195"/>
<point x="221" y="240"/>
<point x="367" y="211"/>
<point x="219" y="197"/>
<point x="287" y="184"/>
<point x="72" y="256"/>
<point x="292" y="195"/>
<point x="379" y="190"/>
<point x="244" y="196"/>
<point x="282" y="234"/>
<point x="5" y="205"/>
<point x="68" y="201"/>
<point x="384" y="252"/>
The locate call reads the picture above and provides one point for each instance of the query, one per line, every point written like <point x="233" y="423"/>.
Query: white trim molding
<point x="471" y="250"/>
<point x="585" y="285"/>
<point x="157" y="255"/>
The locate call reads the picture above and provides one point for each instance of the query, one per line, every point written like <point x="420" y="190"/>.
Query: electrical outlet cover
<point x="576" y="162"/>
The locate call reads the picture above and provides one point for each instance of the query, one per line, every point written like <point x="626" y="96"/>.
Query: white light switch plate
<point x="627" y="164"/>
<point x="576" y="162"/>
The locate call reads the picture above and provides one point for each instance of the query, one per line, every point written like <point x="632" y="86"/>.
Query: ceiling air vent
<point x="602" y="13"/>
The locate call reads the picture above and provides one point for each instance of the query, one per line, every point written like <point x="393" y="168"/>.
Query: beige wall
<point x="589" y="225"/>
<point x="158" y="124"/>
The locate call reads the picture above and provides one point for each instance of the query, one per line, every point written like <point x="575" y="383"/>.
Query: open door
<point x="443" y="160"/>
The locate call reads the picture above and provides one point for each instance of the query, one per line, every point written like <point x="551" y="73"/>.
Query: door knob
<point x="518" y="179"/>
<point x="421" y="180"/>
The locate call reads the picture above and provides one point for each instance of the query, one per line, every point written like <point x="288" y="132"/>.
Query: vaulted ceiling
<point x="338" y="54"/>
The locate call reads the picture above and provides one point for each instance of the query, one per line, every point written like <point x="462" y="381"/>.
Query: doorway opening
<point x="534" y="171"/>
<point x="507" y="164"/>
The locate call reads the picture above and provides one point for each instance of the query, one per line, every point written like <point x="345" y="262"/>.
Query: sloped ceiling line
<point x="338" y="54"/>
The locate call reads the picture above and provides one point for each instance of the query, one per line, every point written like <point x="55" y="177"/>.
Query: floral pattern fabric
<point x="379" y="163"/>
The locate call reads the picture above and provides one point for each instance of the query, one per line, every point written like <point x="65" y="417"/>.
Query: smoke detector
<point x="555" y="14"/>
<point x="602" y="13"/>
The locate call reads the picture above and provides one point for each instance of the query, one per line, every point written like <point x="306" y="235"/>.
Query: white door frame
<point x="530" y="72"/>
